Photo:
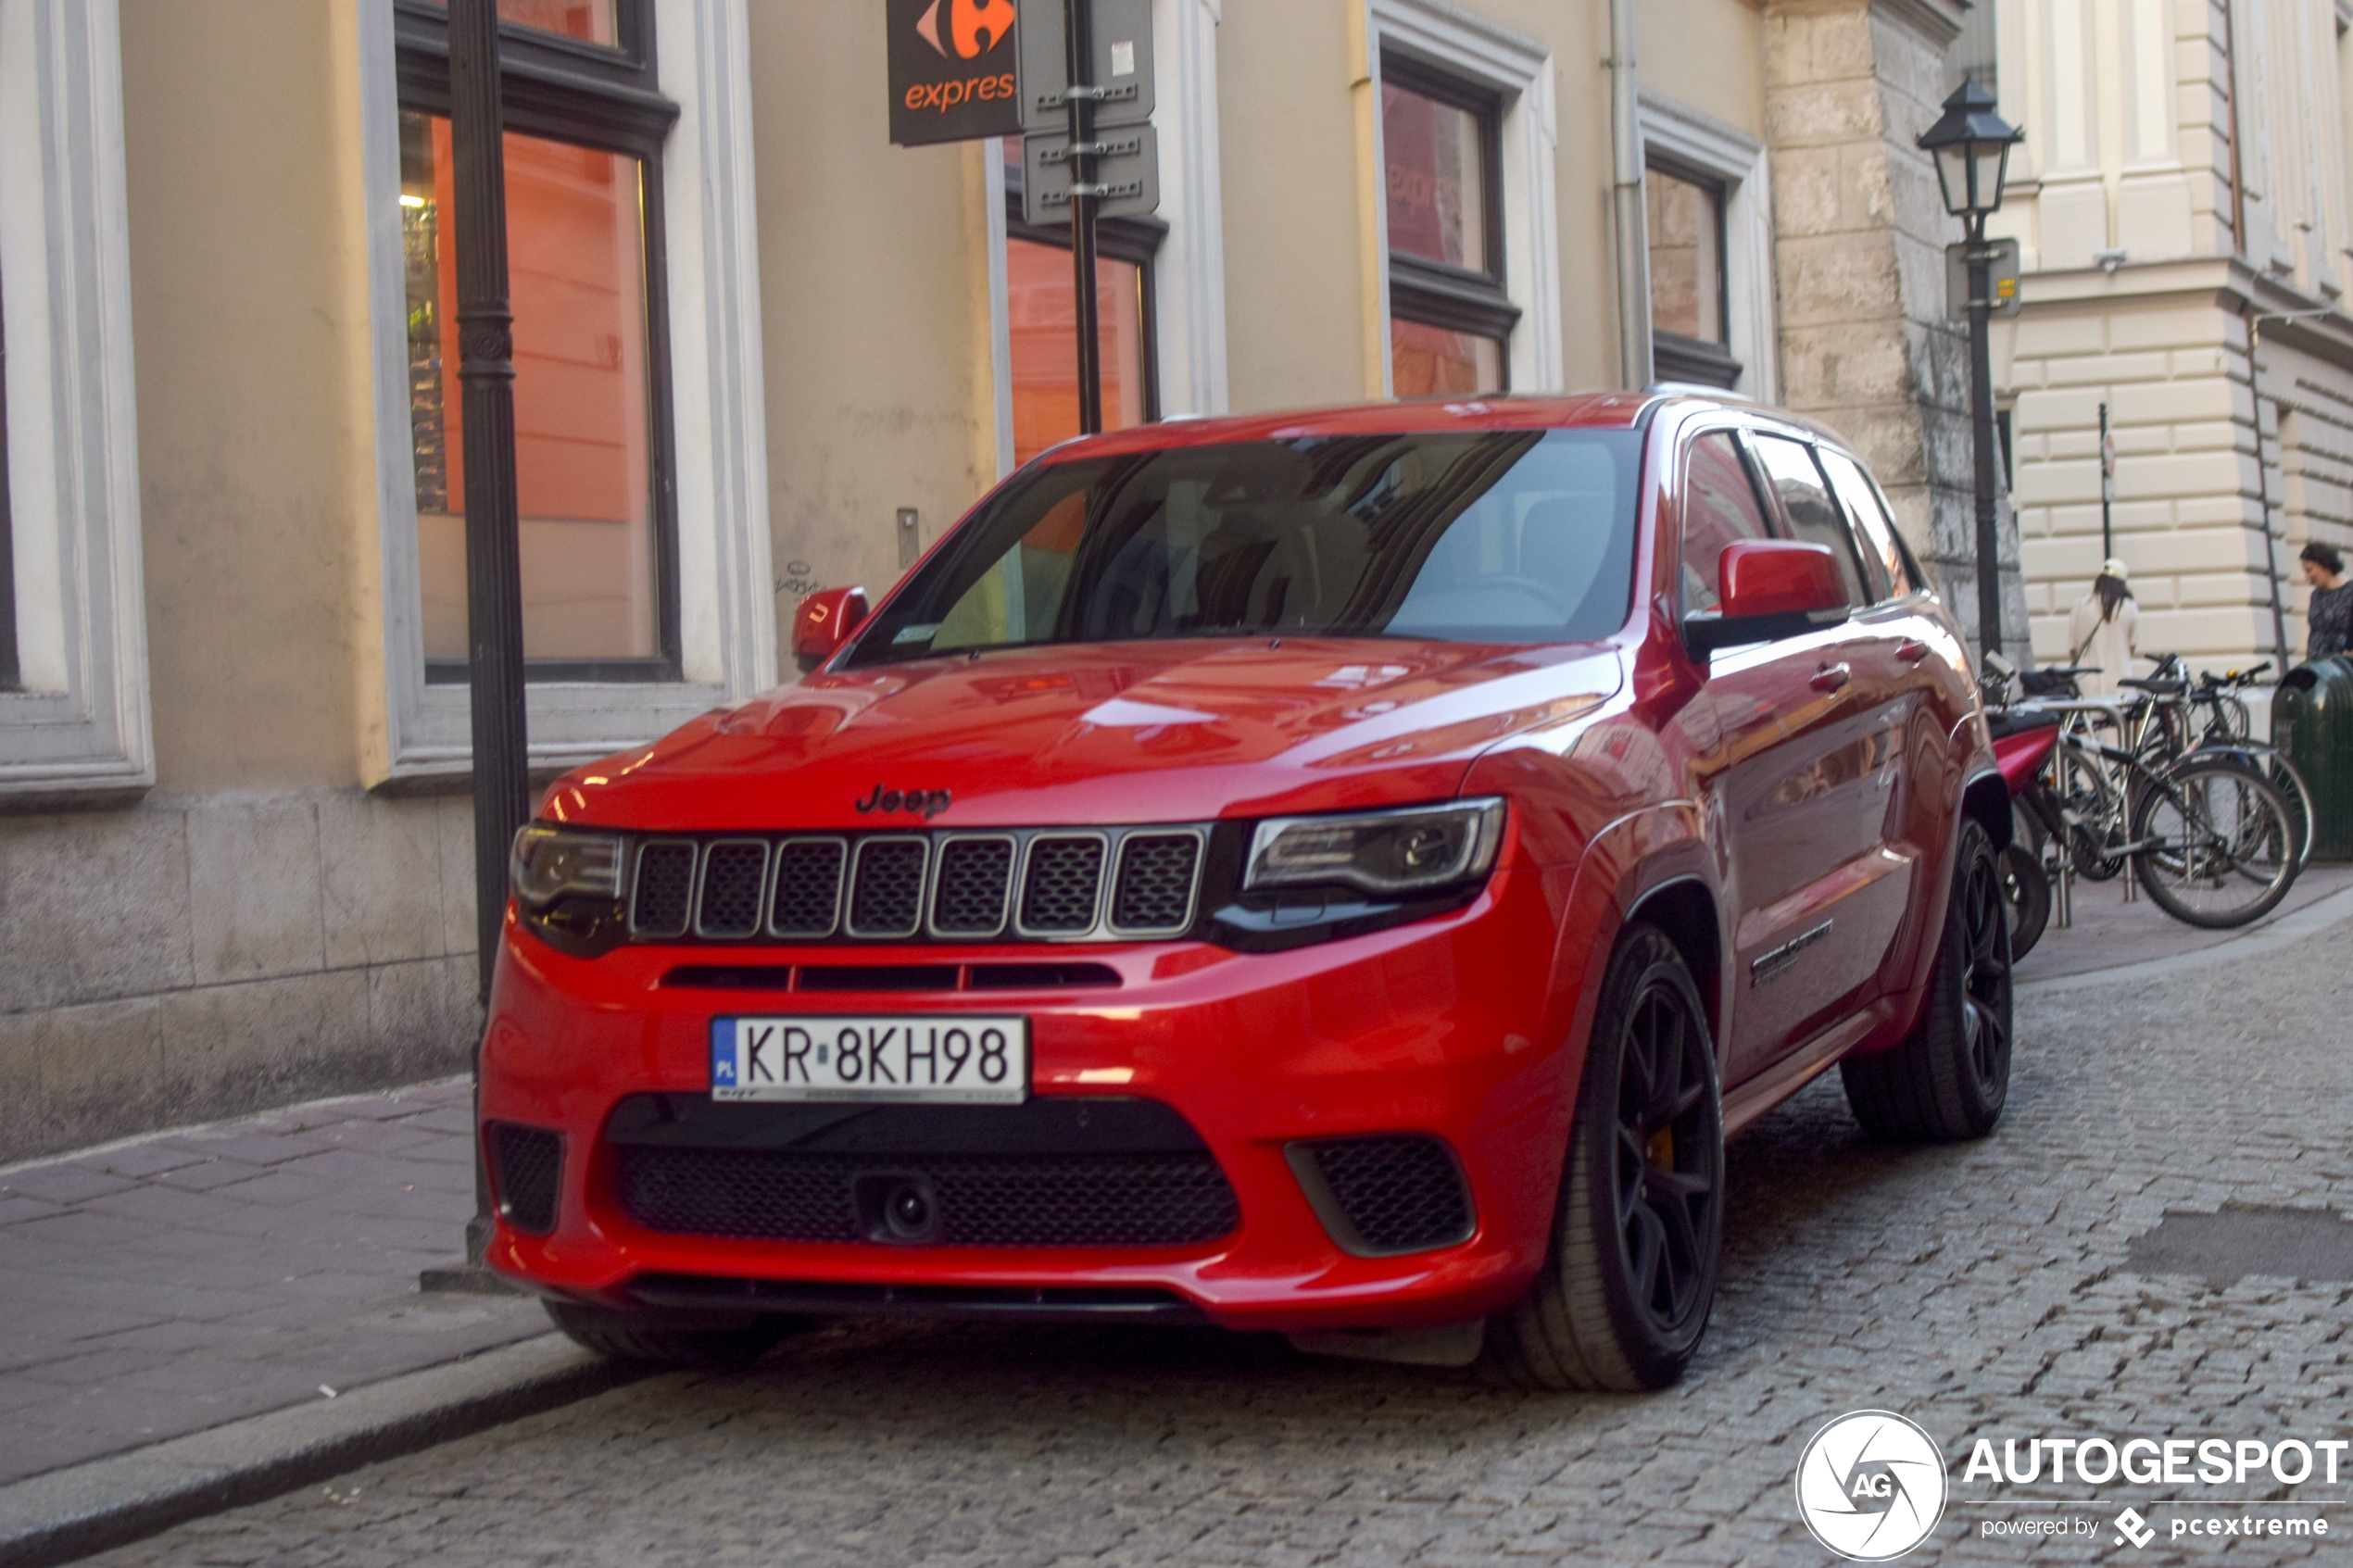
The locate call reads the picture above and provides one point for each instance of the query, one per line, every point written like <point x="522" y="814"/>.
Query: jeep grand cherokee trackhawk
<point x="1341" y="872"/>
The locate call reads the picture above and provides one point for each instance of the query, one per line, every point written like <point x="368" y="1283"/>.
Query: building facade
<point x="760" y="351"/>
<point x="2182" y="206"/>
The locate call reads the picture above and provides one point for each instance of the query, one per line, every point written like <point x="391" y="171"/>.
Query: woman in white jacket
<point x="2105" y="631"/>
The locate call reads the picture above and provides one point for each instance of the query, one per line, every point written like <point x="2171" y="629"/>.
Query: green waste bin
<point x="2312" y="723"/>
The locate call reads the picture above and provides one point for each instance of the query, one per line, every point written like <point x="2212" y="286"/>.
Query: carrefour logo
<point x="1870" y="1485"/>
<point x="974" y="27"/>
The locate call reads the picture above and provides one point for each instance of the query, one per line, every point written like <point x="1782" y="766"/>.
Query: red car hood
<point x="1143" y="731"/>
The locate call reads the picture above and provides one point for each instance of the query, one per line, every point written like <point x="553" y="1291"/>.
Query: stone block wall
<point x="2172" y="367"/>
<point x="197" y="956"/>
<point x="1860" y="233"/>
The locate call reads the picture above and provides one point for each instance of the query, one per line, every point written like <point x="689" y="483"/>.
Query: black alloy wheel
<point x="1669" y="1175"/>
<point x="1625" y="1291"/>
<point x="1950" y="1077"/>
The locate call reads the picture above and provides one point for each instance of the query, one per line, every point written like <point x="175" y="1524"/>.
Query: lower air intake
<point x="1383" y="1195"/>
<point x="1161" y="1200"/>
<point x="526" y="1163"/>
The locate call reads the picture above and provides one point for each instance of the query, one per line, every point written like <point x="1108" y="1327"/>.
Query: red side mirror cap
<point x="824" y="621"/>
<point x="1778" y="577"/>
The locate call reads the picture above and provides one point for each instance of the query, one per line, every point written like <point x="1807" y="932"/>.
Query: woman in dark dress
<point x="2328" y="620"/>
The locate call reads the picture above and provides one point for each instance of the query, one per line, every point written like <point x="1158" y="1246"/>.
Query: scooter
<point x="2023" y="741"/>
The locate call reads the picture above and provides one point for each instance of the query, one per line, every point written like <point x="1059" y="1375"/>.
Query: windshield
<point x="1492" y="536"/>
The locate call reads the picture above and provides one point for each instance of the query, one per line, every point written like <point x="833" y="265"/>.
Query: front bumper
<point x="1451" y="1027"/>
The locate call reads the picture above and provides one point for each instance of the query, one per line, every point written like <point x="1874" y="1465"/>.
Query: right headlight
<point x="548" y="863"/>
<point x="1389" y="854"/>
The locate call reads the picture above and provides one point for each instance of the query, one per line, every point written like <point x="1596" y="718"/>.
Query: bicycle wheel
<point x="2088" y="806"/>
<point x="2216" y="847"/>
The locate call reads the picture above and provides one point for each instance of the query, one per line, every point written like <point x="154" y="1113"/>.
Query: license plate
<point x="961" y="1061"/>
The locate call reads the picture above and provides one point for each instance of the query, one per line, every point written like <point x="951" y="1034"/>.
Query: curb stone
<point x="70" y="1513"/>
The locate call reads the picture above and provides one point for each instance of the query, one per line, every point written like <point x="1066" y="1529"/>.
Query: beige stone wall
<point x="256" y="458"/>
<point x="874" y="307"/>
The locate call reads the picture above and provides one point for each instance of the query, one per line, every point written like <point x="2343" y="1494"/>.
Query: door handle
<point x="1912" y="652"/>
<point x="1830" y="678"/>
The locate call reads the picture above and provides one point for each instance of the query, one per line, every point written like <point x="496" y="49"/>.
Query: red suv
<point x="1339" y="872"/>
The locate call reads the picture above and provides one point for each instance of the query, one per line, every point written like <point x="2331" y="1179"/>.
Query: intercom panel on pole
<point x="1127" y="174"/>
<point x="2001" y="268"/>
<point x="1122" y="63"/>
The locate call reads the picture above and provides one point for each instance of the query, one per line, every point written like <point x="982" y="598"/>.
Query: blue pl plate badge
<point x="722" y="1053"/>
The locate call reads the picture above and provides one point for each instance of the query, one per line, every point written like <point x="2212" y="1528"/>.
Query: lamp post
<point x="1971" y="147"/>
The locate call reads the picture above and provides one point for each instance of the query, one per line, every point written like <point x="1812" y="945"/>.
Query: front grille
<point x="1052" y="884"/>
<point x="1060" y="890"/>
<point x="1154" y="890"/>
<point x="1399" y="1194"/>
<point x="734" y="872"/>
<point x="1156" y="1199"/>
<point x="887" y="887"/>
<point x="526" y="1165"/>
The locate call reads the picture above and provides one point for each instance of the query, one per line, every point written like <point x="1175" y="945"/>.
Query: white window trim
<point x="726" y="620"/>
<point x="81" y="729"/>
<point x="1189" y="269"/>
<point x="1520" y="70"/>
<point x="1709" y="146"/>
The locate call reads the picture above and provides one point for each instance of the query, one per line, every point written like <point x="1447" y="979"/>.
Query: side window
<point x="1872" y="525"/>
<point x="1721" y="507"/>
<point x="1813" y="516"/>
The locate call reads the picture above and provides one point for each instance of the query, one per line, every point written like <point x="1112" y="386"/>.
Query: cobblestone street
<point x="1980" y="1290"/>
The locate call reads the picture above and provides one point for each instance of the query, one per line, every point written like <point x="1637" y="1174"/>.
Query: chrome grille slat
<point x="1062" y="884"/>
<point x="732" y="888"/>
<point x="807" y="900"/>
<point x="886" y="886"/>
<point x="663" y="888"/>
<point x="1152" y="887"/>
<point x="972" y="885"/>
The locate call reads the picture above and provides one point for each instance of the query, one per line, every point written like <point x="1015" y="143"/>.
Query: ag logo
<point x="1870" y="1485"/>
<point x="969" y="21"/>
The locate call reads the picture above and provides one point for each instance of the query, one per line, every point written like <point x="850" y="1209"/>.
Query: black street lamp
<point x="1971" y="146"/>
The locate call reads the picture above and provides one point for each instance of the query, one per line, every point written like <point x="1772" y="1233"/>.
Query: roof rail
<point x="1697" y="389"/>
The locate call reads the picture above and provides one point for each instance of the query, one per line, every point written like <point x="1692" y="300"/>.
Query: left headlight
<point x="550" y="863"/>
<point x="1421" y="849"/>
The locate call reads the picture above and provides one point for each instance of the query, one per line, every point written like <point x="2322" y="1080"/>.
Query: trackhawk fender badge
<point x="1768" y="967"/>
<point x="925" y="803"/>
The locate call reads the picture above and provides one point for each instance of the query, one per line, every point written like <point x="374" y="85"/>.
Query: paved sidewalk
<point x="2108" y="931"/>
<point x="174" y="1283"/>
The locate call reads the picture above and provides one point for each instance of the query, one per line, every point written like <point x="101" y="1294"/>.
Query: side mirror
<point x="1771" y="588"/>
<point x="823" y="623"/>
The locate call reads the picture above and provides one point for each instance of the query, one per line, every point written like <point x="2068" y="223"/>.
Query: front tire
<point x="701" y="1340"/>
<point x="1950" y="1077"/>
<point x="1628" y="1280"/>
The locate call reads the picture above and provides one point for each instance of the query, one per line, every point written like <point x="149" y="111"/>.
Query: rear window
<point x="1492" y="536"/>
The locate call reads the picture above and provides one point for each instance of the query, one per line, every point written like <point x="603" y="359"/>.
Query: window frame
<point x="422" y="738"/>
<point x="1134" y="241"/>
<point x="1521" y="70"/>
<point x="1779" y="503"/>
<point x="8" y="667"/>
<point x="78" y="731"/>
<point x="1674" y="356"/>
<point x="1689" y="142"/>
<point x="582" y="95"/>
<point x="1433" y="293"/>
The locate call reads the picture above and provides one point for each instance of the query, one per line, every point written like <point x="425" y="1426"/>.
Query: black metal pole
<point x="2107" y="492"/>
<point x="1078" y="33"/>
<point x="494" y="549"/>
<point x="1981" y="411"/>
